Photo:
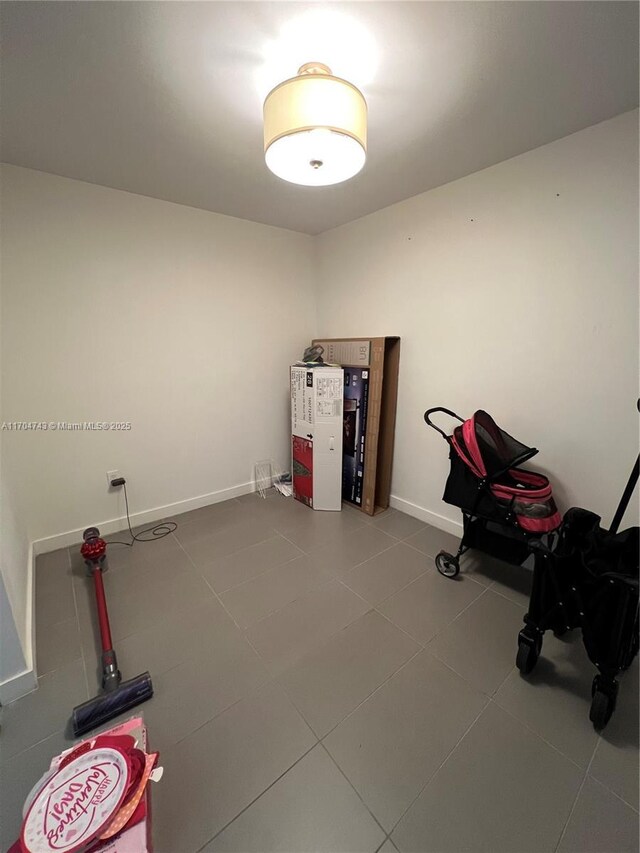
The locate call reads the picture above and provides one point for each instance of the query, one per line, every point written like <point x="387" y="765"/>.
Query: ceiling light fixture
<point x="315" y="128"/>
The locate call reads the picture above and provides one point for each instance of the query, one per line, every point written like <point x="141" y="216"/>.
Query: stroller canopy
<point x="488" y="450"/>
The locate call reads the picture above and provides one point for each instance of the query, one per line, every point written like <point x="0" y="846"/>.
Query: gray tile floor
<point x="319" y="687"/>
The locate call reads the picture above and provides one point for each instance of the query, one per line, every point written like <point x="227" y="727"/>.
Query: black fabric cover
<point x="498" y="449"/>
<point x="597" y="550"/>
<point x="594" y="574"/>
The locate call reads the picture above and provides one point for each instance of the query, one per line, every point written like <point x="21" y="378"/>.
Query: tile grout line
<point x="402" y="630"/>
<point x="342" y="576"/>
<point x="75" y="608"/>
<point x="557" y="749"/>
<point x="449" y="624"/>
<point x="606" y="787"/>
<point x="326" y="582"/>
<point x="577" y="797"/>
<point x="263" y="573"/>
<point x="464" y="678"/>
<point x="212" y="590"/>
<point x="276" y="678"/>
<point x="271" y="679"/>
<point x="16" y="755"/>
<point x="358" y="525"/>
<point x="395" y="592"/>
<point x="541" y="737"/>
<point x="325" y="641"/>
<point x="279" y="678"/>
<point x="426" y="571"/>
<point x="357" y="565"/>
<point x="441" y="765"/>
<point x="374" y="607"/>
<point x="255" y="799"/>
<point x="303" y="594"/>
<point x="504" y="595"/>
<point x="243" y="632"/>
<point x="373" y="692"/>
<point x="309" y="553"/>
<point x="332" y="579"/>
<point x="504" y="681"/>
<point x="240" y="551"/>
<point x="137" y="630"/>
<point x="355" y="790"/>
<point x="423" y="646"/>
<point x="415" y="547"/>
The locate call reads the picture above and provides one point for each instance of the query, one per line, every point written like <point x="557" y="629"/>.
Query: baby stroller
<point x="503" y="507"/>
<point x="589" y="581"/>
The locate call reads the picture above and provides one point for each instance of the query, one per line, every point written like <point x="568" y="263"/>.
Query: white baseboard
<point x="113" y="525"/>
<point x="17" y="686"/>
<point x="426" y="515"/>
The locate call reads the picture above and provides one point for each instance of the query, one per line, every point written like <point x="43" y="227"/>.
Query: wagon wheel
<point x="603" y="703"/>
<point x="447" y="564"/>
<point x="528" y="652"/>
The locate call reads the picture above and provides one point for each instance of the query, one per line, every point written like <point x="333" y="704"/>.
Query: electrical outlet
<point x="111" y="475"/>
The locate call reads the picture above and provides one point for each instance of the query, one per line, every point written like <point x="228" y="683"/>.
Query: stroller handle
<point x="428" y="420"/>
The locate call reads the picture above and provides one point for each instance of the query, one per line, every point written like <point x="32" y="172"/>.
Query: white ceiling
<point x="162" y="98"/>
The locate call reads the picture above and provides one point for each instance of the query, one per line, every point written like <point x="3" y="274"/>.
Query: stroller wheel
<point x="603" y="703"/>
<point x="528" y="653"/>
<point x="447" y="564"/>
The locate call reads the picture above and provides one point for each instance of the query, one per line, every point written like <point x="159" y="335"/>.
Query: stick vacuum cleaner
<point x="118" y="696"/>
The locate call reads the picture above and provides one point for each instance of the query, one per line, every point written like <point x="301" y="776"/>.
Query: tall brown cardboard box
<point x="371" y="364"/>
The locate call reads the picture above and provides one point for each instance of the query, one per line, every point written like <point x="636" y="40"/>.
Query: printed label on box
<point x="353" y="353"/>
<point x="328" y="397"/>
<point x="356" y="400"/>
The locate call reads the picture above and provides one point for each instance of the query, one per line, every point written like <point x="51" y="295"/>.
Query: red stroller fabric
<point x="493" y="455"/>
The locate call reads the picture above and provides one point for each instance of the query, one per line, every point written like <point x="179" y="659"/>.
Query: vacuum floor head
<point x="105" y="707"/>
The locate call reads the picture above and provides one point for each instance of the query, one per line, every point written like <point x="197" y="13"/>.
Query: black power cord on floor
<point x="158" y="531"/>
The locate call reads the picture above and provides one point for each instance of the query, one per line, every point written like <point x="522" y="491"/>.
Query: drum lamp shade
<point x="315" y="128"/>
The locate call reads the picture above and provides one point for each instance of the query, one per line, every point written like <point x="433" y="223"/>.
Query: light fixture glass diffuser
<point x="315" y="128"/>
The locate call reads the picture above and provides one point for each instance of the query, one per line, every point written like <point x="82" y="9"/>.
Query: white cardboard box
<point x="316" y="435"/>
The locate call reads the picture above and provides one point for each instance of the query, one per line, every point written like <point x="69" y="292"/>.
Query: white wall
<point x="118" y="307"/>
<point x="515" y="290"/>
<point x="15" y="595"/>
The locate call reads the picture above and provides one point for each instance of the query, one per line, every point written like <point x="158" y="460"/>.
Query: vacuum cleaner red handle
<point x="103" y="616"/>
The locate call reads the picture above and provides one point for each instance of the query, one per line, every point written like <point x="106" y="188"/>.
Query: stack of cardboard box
<point x="343" y="424"/>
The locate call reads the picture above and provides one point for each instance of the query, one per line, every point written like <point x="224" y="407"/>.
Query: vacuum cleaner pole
<point x="111" y="676"/>
<point x="119" y="696"/>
